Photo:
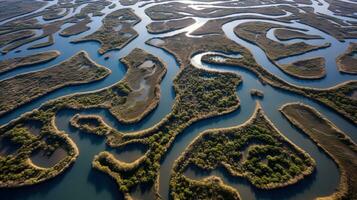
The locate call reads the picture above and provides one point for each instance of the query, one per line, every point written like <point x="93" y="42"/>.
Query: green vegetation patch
<point x="255" y="150"/>
<point x="14" y="166"/>
<point x="198" y="97"/>
<point x="209" y="188"/>
<point x="77" y="28"/>
<point x="90" y="123"/>
<point x="338" y="97"/>
<point x="17" y="169"/>
<point x="177" y="10"/>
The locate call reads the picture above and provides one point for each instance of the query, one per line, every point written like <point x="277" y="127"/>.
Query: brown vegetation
<point x="77" y="28"/>
<point x="287" y="34"/>
<point x="8" y="38"/>
<point x="13" y="63"/>
<point x="332" y="140"/>
<point x="13" y="8"/>
<point x="24" y="88"/>
<point x="116" y="30"/>
<point x="168" y="26"/>
<point x="132" y="98"/>
<point x="312" y="68"/>
<point x="255" y="32"/>
<point x="347" y="62"/>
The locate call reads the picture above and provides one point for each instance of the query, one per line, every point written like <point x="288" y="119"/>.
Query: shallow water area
<point x="41" y="158"/>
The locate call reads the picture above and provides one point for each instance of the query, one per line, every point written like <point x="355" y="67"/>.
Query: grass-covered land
<point x="50" y="41"/>
<point x="116" y="31"/>
<point x="95" y="8"/>
<point x="200" y="94"/>
<point x="168" y="26"/>
<point x="333" y="26"/>
<point x="255" y="150"/>
<point x="208" y="188"/>
<point x="143" y="77"/>
<point x="13" y="63"/>
<point x="332" y="140"/>
<point x="312" y="68"/>
<point x="177" y="10"/>
<point x="24" y="88"/>
<point x="133" y="97"/>
<point x="30" y="22"/>
<point x="55" y="12"/>
<point x="77" y="28"/>
<point x="128" y="2"/>
<point x="10" y="9"/>
<point x="91" y="124"/>
<point x="347" y="62"/>
<point x="8" y="38"/>
<point x="17" y="169"/>
<point x="338" y="97"/>
<point x="48" y="30"/>
<point x="287" y="34"/>
<point x="255" y="32"/>
<point x="84" y="18"/>
<point x="183" y="47"/>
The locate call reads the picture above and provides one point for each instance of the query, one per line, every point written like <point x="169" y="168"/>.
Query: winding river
<point x="82" y="182"/>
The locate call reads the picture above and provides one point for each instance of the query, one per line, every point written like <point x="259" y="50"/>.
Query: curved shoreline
<point x="321" y="67"/>
<point x="334" y="147"/>
<point x="216" y="131"/>
<point x="21" y="64"/>
<point x="105" y="72"/>
<point x="350" y="67"/>
<point x="52" y="171"/>
<point x="267" y="77"/>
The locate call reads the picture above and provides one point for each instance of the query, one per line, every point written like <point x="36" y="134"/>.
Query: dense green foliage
<point x="49" y="138"/>
<point x="211" y="188"/>
<point x="255" y="150"/>
<point x="199" y="96"/>
<point x="340" y="98"/>
<point x="90" y="123"/>
<point x="15" y="168"/>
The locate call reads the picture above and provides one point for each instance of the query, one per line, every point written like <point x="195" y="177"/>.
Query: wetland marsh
<point x="161" y="77"/>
